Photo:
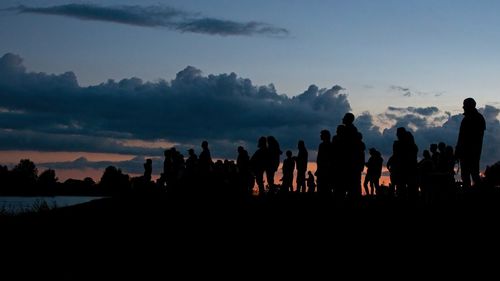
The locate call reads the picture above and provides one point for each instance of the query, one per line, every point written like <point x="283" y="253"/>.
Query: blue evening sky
<point x="442" y="51"/>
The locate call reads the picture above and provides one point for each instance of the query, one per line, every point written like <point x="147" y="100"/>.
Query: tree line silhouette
<point x="338" y="177"/>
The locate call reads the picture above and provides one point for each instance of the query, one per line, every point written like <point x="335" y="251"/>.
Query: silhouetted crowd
<point x="340" y="164"/>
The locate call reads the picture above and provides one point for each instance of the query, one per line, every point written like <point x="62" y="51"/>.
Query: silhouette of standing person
<point x="166" y="177"/>
<point x="339" y="168"/>
<point x="191" y="163"/>
<point x="288" y="168"/>
<point x="245" y="178"/>
<point x="373" y="172"/>
<point x="190" y="175"/>
<point x="274" y="152"/>
<point x="354" y="157"/>
<point x="301" y="161"/>
<point x="470" y="142"/>
<point x="148" y="170"/>
<point x="406" y="158"/>
<point x="205" y="162"/>
<point x="259" y="162"/>
<point x="311" y="185"/>
<point x="323" y="162"/>
<point x="426" y="168"/>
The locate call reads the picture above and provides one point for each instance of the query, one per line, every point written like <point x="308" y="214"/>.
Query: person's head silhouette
<point x="204" y="145"/>
<point x="325" y="135"/>
<point x="262" y="142"/>
<point x="301" y="144"/>
<point x="469" y="105"/>
<point x="348" y="118"/>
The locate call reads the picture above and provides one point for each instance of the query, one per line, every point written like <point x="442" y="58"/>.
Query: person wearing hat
<point x="470" y="142"/>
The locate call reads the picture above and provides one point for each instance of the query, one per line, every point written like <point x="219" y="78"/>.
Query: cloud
<point x="158" y="16"/>
<point x="425" y="111"/>
<point x="52" y="112"/>
<point x="407" y="92"/>
<point x="429" y="125"/>
<point x="403" y="90"/>
<point x="225" y="27"/>
<point x="40" y="141"/>
<point x="48" y="112"/>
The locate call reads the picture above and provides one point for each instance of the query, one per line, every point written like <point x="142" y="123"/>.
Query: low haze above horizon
<point x="112" y="80"/>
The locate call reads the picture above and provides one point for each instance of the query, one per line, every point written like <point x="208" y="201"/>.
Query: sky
<point x="126" y="79"/>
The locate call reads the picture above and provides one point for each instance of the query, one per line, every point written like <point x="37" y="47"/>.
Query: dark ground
<point x="272" y="211"/>
<point x="207" y="236"/>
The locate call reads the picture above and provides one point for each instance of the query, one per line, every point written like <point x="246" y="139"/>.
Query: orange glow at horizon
<point x="312" y="166"/>
<point x="13" y="157"/>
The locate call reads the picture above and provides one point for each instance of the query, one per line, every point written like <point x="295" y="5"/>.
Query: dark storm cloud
<point x="225" y="109"/>
<point x="157" y="16"/>
<point x="46" y="112"/>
